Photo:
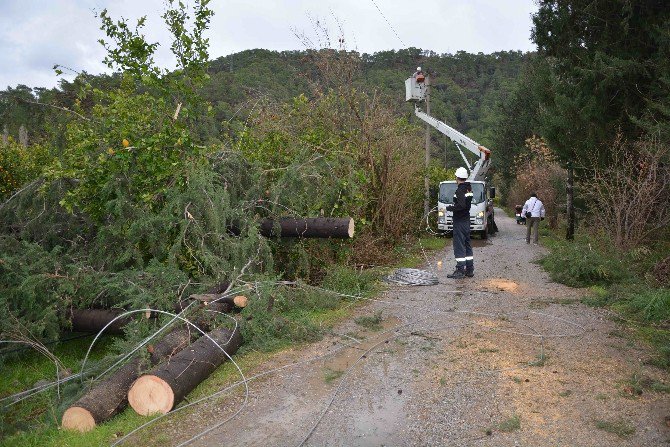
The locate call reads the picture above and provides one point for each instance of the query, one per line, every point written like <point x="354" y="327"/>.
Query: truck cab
<point x="481" y="213"/>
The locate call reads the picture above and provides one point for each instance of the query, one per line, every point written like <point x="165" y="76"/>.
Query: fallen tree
<point x="110" y="396"/>
<point x="93" y="320"/>
<point x="165" y="386"/>
<point x="308" y="227"/>
<point x="215" y="302"/>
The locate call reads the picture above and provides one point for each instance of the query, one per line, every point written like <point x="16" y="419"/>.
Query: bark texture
<point x="110" y="396"/>
<point x="165" y="386"/>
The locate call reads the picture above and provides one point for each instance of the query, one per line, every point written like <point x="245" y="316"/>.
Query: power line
<point x="389" y="23"/>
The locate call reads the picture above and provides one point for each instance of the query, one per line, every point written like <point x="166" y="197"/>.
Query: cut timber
<point x="215" y="302"/>
<point x="110" y="396"/>
<point x="308" y="227"/>
<point x="93" y="320"/>
<point x="167" y="384"/>
<point x="316" y="227"/>
<point x="209" y="298"/>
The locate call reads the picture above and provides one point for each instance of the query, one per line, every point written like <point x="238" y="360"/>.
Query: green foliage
<point x="20" y="165"/>
<point x="580" y="265"/>
<point x="608" y="65"/>
<point x="511" y="424"/>
<point x="371" y="322"/>
<point x="620" y="427"/>
<point x="648" y="305"/>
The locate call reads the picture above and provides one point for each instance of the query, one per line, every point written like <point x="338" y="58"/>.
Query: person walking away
<point x="461" y="229"/>
<point x="534" y="212"/>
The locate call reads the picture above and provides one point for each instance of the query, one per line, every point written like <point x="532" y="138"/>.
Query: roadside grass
<point x="638" y="383"/>
<point x="540" y="360"/>
<point x="282" y="318"/>
<point x="331" y="375"/>
<point x="618" y="281"/>
<point x="513" y="423"/>
<point x="619" y="427"/>
<point x="371" y="322"/>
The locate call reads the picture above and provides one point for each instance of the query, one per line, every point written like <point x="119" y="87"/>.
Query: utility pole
<point x="426" y="199"/>
<point x="570" y="190"/>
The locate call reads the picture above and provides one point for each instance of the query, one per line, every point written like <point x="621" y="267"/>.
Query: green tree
<point x="608" y="74"/>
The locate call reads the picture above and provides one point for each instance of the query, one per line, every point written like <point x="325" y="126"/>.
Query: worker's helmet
<point x="462" y="173"/>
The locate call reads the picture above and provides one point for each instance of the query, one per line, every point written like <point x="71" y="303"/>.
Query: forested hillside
<point x="468" y="92"/>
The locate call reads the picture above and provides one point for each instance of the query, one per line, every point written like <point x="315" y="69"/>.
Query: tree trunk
<point x="167" y="384"/>
<point x="110" y="396"/>
<point x="93" y="320"/>
<point x="215" y="301"/>
<point x="311" y="227"/>
<point x="570" y="190"/>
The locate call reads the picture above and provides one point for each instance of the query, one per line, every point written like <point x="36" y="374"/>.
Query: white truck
<point x="481" y="212"/>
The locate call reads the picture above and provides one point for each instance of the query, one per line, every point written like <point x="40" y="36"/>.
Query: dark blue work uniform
<point x="461" y="230"/>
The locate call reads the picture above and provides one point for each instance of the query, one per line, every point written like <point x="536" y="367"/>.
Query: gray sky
<point x="36" y="34"/>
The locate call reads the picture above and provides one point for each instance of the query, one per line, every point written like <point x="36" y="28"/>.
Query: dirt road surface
<point x="506" y="358"/>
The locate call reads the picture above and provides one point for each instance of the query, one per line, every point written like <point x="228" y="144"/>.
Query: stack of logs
<point x="177" y="363"/>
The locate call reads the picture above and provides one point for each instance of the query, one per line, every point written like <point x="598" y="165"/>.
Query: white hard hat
<point x="461" y="173"/>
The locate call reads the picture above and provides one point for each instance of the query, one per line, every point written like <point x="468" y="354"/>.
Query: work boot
<point x="459" y="273"/>
<point x="469" y="269"/>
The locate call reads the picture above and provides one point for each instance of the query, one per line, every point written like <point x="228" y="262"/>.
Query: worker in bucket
<point x="534" y="212"/>
<point x="461" y="231"/>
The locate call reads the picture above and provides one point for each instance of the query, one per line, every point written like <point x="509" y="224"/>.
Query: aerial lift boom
<point x="415" y="91"/>
<point x="481" y="211"/>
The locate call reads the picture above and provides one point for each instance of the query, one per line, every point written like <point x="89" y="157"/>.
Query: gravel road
<point x="507" y="358"/>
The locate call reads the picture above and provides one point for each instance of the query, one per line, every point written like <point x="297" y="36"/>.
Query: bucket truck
<point x="481" y="212"/>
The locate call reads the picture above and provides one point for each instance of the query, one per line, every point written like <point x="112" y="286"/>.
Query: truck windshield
<point x="447" y="191"/>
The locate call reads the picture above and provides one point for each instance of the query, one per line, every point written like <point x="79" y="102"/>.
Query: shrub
<point x="578" y="265"/>
<point x="629" y="197"/>
<point x="537" y="170"/>
<point x="20" y="164"/>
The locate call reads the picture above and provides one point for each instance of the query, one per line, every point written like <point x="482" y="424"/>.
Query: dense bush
<point x="580" y="265"/>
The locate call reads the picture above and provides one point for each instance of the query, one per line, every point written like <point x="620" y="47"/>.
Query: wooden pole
<point x="426" y="181"/>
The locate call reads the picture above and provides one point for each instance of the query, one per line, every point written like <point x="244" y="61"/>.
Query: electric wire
<point x="389" y="23"/>
<point x="412" y="277"/>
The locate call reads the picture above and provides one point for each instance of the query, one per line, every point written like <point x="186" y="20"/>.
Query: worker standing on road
<point x="534" y="211"/>
<point x="461" y="231"/>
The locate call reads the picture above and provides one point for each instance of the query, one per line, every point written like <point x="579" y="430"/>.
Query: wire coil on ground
<point x="412" y="277"/>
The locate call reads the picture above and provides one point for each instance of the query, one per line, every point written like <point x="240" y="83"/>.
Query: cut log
<point x="166" y="385"/>
<point x="110" y="396"/>
<point x="310" y="227"/>
<point x="93" y="320"/>
<point x="209" y="298"/>
<point x="215" y="302"/>
<point x="316" y="227"/>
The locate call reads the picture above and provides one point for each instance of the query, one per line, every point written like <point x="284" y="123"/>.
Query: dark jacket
<point x="462" y="202"/>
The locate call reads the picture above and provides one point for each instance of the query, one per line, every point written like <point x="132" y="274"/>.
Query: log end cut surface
<point x="78" y="419"/>
<point x="350" y="230"/>
<point x="240" y="301"/>
<point x="150" y="394"/>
